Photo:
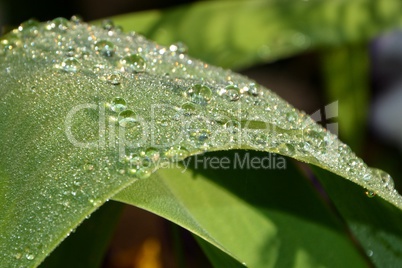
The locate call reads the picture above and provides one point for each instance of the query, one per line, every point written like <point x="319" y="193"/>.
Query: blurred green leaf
<point x="265" y="218"/>
<point x="346" y="78"/>
<point x="238" y="34"/>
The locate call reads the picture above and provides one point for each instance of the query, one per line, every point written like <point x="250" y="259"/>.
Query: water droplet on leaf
<point x="232" y="93"/>
<point x="127" y="119"/>
<point x="152" y="154"/>
<point x="105" y="48"/>
<point x="70" y="64"/>
<point x="252" y="89"/>
<point x="178" y="47"/>
<point x="177" y="153"/>
<point x="107" y="25"/>
<point x="118" y="105"/>
<point x="385" y="178"/>
<point x="143" y="173"/>
<point x="199" y="94"/>
<point x="29" y="256"/>
<point x="76" y="19"/>
<point x="200" y="134"/>
<point x="59" y="24"/>
<point x="188" y="108"/>
<point x="370" y="194"/>
<point x="113" y="78"/>
<point x="133" y="63"/>
<point x="29" y="27"/>
<point x="291" y="116"/>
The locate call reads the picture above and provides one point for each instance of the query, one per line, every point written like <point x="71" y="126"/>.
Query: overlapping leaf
<point x="238" y="34"/>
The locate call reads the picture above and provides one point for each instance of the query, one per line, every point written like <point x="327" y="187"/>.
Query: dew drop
<point x="60" y="24"/>
<point x="113" y="78"/>
<point x="70" y="64"/>
<point x="105" y="48"/>
<point x="252" y="89"/>
<point x="178" y="47"/>
<point x="177" y="153"/>
<point x="286" y="149"/>
<point x="199" y="94"/>
<point x="95" y="202"/>
<point x="232" y="125"/>
<point x="291" y="116"/>
<point x="386" y="179"/>
<point x="200" y="134"/>
<point x="188" y="108"/>
<point x="118" y="105"/>
<point x="367" y="177"/>
<point x="29" y="27"/>
<point x="232" y="93"/>
<point x="107" y="25"/>
<point x="351" y="165"/>
<point x="370" y="194"/>
<point x="316" y="138"/>
<point x="26" y="25"/>
<point x="135" y="162"/>
<point x="370" y="253"/>
<point x="30" y="256"/>
<point x="12" y="41"/>
<point x="152" y="154"/>
<point x="131" y="171"/>
<point x="76" y="19"/>
<point x="133" y="63"/>
<point x="18" y="255"/>
<point x="143" y="173"/>
<point x="127" y="119"/>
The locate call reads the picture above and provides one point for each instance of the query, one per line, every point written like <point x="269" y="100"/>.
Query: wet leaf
<point x="375" y="224"/>
<point x="87" y="111"/>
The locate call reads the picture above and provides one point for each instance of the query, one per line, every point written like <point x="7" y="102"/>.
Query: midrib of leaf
<point x="56" y="184"/>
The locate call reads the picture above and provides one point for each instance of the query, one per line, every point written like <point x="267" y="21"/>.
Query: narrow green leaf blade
<point x="375" y="223"/>
<point x="263" y="217"/>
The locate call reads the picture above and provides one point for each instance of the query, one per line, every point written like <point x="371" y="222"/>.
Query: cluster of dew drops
<point x="129" y="63"/>
<point x="126" y="64"/>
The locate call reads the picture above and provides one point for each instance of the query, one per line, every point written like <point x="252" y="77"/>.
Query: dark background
<point x="13" y="12"/>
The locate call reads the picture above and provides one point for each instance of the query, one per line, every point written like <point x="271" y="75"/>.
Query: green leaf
<point x="265" y="218"/>
<point x="375" y="223"/>
<point x="238" y="34"/>
<point x="346" y="77"/>
<point x="86" y="111"/>
<point x="217" y="257"/>
<point x="86" y="246"/>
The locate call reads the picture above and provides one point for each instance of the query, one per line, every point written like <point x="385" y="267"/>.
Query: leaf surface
<point x="266" y="217"/>
<point x="87" y="111"/>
